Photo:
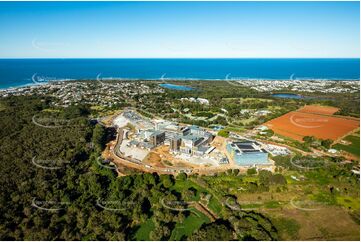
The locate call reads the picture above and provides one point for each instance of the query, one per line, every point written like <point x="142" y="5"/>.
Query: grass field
<point x="353" y="148"/>
<point x="234" y="129"/>
<point x="180" y="186"/>
<point x="329" y="223"/>
<point x="349" y="202"/>
<point x="213" y="205"/>
<point x="288" y="228"/>
<point x="193" y="222"/>
<point x="330" y="215"/>
<point x="144" y="230"/>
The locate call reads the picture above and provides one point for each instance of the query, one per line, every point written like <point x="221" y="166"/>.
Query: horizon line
<point x="19" y="58"/>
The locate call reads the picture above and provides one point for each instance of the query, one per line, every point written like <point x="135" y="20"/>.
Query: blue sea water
<point x="18" y="72"/>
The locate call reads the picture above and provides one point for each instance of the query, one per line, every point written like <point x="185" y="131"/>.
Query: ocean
<point x="19" y="72"/>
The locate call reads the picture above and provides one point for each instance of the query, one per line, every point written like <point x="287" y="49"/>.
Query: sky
<point x="179" y="30"/>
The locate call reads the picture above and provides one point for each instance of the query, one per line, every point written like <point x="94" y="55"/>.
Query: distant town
<point x="311" y="86"/>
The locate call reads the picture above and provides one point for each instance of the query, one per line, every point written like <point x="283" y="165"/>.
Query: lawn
<point x="234" y="129"/>
<point x="193" y="222"/>
<point x="214" y="205"/>
<point x="144" y="230"/>
<point x="180" y="186"/>
<point x="353" y="148"/>
<point x="288" y="228"/>
<point x="349" y="202"/>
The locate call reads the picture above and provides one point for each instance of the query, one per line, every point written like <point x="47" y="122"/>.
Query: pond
<point x="288" y="95"/>
<point x="176" y="87"/>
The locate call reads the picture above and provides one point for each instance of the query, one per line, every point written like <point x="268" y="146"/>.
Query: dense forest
<point x="52" y="187"/>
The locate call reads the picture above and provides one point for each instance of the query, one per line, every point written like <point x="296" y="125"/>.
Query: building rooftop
<point x="157" y="132"/>
<point x="194" y="127"/>
<point x="247" y="147"/>
<point x="193" y="138"/>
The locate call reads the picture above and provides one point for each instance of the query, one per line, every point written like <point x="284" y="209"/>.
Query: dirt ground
<point x="296" y="125"/>
<point x="154" y="160"/>
<point x="160" y="157"/>
<point x="219" y="142"/>
<point x="318" y="109"/>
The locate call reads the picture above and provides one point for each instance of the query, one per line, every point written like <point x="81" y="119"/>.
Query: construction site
<point x="165" y="147"/>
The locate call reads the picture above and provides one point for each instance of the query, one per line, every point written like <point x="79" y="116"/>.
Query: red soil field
<point x="318" y="109"/>
<point x="299" y="123"/>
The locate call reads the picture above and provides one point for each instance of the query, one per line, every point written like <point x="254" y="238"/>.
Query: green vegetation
<point x="144" y="230"/>
<point x="2" y="107"/>
<point x="83" y="200"/>
<point x="214" y="231"/>
<point x="312" y="141"/>
<point x="223" y="133"/>
<point x="288" y="228"/>
<point x="132" y="207"/>
<point x="353" y="147"/>
<point x="251" y="171"/>
<point x="192" y="223"/>
<point x="98" y="137"/>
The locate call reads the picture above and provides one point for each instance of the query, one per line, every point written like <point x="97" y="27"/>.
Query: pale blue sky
<point x="179" y="29"/>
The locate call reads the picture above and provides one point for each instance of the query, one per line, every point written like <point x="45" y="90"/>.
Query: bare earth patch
<point x="298" y="124"/>
<point x="319" y="109"/>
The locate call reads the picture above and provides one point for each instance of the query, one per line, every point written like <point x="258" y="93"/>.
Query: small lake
<point x="288" y="95"/>
<point x="176" y="87"/>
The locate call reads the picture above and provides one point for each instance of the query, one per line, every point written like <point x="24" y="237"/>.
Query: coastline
<point x="33" y="83"/>
<point x="22" y="72"/>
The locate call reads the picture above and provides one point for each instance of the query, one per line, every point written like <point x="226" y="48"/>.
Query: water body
<point x="296" y="96"/>
<point x="288" y="96"/>
<point x="18" y="72"/>
<point x="176" y="87"/>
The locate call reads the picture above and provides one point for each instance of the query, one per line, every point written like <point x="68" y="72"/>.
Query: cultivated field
<point x="313" y="121"/>
<point x="318" y="109"/>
